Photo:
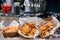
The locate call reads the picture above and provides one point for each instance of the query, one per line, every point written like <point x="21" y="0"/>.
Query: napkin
<point x="14" y="23"/>
<point x="1" y="24"/>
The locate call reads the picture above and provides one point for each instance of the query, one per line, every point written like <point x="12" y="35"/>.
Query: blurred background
<point x="30" y="8"/>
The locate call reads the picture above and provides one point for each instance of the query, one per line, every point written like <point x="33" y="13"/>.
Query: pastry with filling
<point x="10" y="31"/>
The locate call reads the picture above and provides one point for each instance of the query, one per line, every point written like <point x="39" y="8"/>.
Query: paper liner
<point x="56" y="25"/>
<point x="29" y="19"/>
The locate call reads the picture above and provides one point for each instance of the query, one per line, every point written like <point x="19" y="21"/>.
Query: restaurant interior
<point x="29" y="19"/>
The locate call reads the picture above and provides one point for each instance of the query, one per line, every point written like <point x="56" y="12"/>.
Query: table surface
<point x="21" y="38"/>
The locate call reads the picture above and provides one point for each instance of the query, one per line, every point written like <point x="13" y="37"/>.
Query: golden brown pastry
<point x="32" y="32"/>
<point x="25" y="29"/>
<point x="10" y="31"/>
<point x="48" y="19"/>
<point x="13" y="29"/>
<point x="28" y="29"/>
<point x="45" y="29"/>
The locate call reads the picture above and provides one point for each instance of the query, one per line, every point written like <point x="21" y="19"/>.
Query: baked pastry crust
<point x="10" y="31"/>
